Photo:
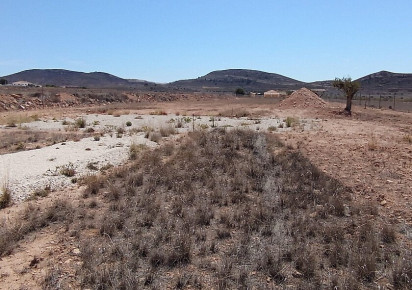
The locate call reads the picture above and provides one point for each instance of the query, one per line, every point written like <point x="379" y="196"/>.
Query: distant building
<point x="24" y="84"/>
<point x="273" y="94"/>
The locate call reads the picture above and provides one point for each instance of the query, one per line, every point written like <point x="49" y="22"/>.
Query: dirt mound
<point x="302" y="99"/>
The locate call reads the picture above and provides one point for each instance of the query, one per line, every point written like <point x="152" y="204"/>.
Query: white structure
<point x="273" y="94"/>
<point x="23" y="84"/>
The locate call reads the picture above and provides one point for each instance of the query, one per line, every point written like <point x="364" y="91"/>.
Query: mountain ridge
<point x="219" y="81"/>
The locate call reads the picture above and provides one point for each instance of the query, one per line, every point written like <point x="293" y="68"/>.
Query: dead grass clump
<point x="68" y="170"/>
<point x="388" y="234"/>
<point x="306" y="263"/>
<point x="271" y="265"/>
<point x="155" y="137"/>
<point x="93" y="184"/>
<point x="80" y="123"/>
<point x="52" y="278"/>
<point x="5" y="196"/>
<point x="402" y="274"/>
<point x="167" y="131"/>
<point x="372" y="143"/>
<point x="237" y="113"/>
<point x="158" y="112"/>
<point x="40" y="193"/>
<point x="135" y="149"/>
<point x="407" y="138"/>
<point x="291" y="122"/>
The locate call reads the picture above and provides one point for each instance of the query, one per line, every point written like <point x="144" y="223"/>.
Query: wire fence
<point x="403" y="104"/>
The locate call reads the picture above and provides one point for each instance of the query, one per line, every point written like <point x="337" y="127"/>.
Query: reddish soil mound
<point x="302" y="99"/>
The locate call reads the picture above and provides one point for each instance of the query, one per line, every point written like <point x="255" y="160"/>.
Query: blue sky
<point x="165" y="40"/>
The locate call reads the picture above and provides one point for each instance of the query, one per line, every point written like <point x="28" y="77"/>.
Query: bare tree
<point x="350" y="88"/>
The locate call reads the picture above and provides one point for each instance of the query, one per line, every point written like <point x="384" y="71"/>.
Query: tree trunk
<point x="348" y="108"/>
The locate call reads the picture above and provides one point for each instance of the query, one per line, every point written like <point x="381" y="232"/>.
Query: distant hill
<point x="385" y="81"/>
<point x="382" y="82"/>
<point x="61" y="77"/>
<point x="229" y="80"/>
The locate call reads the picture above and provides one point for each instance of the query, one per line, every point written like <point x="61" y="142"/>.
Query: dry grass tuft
<point x="5" y="196"/>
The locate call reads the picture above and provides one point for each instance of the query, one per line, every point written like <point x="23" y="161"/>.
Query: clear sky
<point x="167" y="40"/>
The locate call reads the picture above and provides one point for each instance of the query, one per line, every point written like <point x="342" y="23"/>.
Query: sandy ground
<point x="368" y="151"/>
<point x="27" y="171"/>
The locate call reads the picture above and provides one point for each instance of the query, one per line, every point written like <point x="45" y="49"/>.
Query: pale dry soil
<point x="368" y="151"/>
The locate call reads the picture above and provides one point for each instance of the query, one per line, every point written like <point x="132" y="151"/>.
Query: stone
<point x="76" y="251"/>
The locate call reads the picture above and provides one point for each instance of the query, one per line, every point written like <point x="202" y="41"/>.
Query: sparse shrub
<point x="20" y="146"/>
<point x="147" y="130"/>
<point x="92" y="166"/>
<point x="61" y="210"/>
<point x="291" y="122"/>
<point x="157" y="259"/>
<point x="402" y="274"/>
<point x="203" y="126"/>
<point x="223" y="234"/>
<point x="306" y="263"/>
<point x="180" y="253"/>
<point x="93" y="184"/>
<point x="135" y="179"/>
<point x="408" y="138"/>
<point x="119" y="132"/>
<point x="89" y="130"/>
<point x="155" y="137"/>
<point x="96" y="138"/>
<point x="80" y="123"/>
<point x="187" y="119"/>
<point x="388" y="234"/>
<point x="372" y="143"/>
<point x="128" y="123"/>
<point x="5" y="196"/>
<point x="272" y="128"/>
<point x="179" y="123"/>
<point x="135" y="149"/>
<point x="41" y="192"/>
<point x="68" y="170"/>
<point x="93" y="204"/>
<point x="167" y="131"/>
<point x="365" y="265"/>
<point x="158" y="112"/>
<point x="271" y="265"/>
<point x="52" y="279"/>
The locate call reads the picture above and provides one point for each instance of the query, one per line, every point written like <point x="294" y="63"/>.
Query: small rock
<point x="76" y="251"/>
<point x="313" y="214"/>
<point x="346" y="211"/>
<point x="383" y="202"/>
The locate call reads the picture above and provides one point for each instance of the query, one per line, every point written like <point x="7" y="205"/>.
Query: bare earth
<point x="370" y="151"/>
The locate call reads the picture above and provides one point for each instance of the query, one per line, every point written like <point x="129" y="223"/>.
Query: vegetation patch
<point x="222" y="207"/>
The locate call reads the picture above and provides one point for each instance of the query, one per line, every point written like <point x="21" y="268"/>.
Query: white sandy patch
<point x="27" y="171"/>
